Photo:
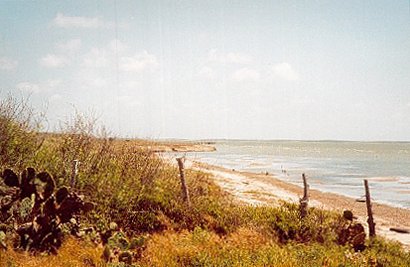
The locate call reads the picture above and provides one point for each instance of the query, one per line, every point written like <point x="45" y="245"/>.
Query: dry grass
<point x="72" y="253"/>
<point x="250" y="247"/>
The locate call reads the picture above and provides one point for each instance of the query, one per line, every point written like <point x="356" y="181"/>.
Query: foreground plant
<point x="31" y="208"/>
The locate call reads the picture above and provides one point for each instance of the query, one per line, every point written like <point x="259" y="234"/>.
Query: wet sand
<point x="261" y="189"/>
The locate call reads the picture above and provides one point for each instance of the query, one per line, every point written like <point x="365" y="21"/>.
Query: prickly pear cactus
<point x="118" y="249"/>
<point x="3" y="240"/>
<point x="40" y="213"/>
<point x="353" y="233"/>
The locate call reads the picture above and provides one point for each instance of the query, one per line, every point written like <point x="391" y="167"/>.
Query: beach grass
<point x="140" y="192"/>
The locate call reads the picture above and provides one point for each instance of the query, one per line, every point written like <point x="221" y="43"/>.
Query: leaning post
<point x="185" y="193"/>
<point x="305" y="199"/>
<point x="370" y="221"/>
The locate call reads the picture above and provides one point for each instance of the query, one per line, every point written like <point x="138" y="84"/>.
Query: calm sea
<point x="330" y="166"/>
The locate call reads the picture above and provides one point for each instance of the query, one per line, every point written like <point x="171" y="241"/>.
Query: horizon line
<point x="289" y="140"/>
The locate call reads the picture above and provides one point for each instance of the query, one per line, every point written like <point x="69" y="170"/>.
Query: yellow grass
<point x="72" y="253"/>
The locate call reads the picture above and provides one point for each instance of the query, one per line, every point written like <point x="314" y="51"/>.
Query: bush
<point x="19" y="133"/>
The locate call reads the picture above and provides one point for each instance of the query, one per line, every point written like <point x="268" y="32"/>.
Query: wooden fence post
<point x="370" y="222"/>
<point x="305" y="199"/>
<point x="185" y="194"/>
<point x="74" y="172"/>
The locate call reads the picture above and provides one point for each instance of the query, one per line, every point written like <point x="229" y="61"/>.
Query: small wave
<point x="360" y="175"/>
<point x="404" y="192"/>
<point x="404" y="180"/>
<point x="384" y="179"/>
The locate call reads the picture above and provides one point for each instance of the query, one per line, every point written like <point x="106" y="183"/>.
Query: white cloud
<point x="8" y="64"/>
<point x="138" y="62"/>
<point x="114" y="65"/>
<point x="54" y="61"/>
<point x="52" y="84"/>
<point x="206" y="72"/>
<point x="55" y="98"/>
<point x="95" y="81"/>
<point x="32" y="87"/>
<point x="96" y="58"/>
<point x="236" y="58"/>
<point x="81" y="22"/>
<point x="28" y="87"/>
<point x="118" y="46"/>
<point x="129" y="84"/>
<point x="108" y="55"/>
<point x="246" y="75"/>
<point x="128" y="101"/>
<point x="64" y="21"/>
<point x="285" y="71"/>
<point x="70" y="45"/>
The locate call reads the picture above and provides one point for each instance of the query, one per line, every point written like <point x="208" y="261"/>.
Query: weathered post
<point x="185" y="194"/>
<point x="370" y="222"/>
<point x="74" y="172"/>
<point x="305" y="199"/>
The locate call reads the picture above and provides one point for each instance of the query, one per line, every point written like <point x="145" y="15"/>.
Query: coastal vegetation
<point x="139" y="216"/>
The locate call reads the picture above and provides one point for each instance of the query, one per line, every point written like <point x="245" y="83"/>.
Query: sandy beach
<point x="262" y="189"/>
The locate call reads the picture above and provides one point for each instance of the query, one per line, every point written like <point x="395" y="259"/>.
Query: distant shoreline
<point x="173" y="146"/>
<point x="293" y="140"/>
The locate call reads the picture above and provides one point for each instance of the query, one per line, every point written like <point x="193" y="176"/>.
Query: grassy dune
<point x="139" y="192"/>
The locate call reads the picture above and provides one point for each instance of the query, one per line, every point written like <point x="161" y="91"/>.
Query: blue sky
<point x="214" y="69"/>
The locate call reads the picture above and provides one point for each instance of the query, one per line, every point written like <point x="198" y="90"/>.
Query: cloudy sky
<point x="214" y="69"/>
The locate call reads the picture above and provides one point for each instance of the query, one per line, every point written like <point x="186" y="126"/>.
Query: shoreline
<point x="170" y="146"/>
<point x="262" y="189"/>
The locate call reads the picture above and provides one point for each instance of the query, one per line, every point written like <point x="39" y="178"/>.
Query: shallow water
<point x="337" y="167"/>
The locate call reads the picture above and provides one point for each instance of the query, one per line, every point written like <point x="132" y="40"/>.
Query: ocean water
<point x="331" y="166"/>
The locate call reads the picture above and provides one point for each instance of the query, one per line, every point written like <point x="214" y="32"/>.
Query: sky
<point x="305" y="70"/>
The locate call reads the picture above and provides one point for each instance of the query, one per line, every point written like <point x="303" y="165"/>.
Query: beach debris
<point x="37" y="213"/>
<point x="400" y="230"/>
<point x="361" y="199"/>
